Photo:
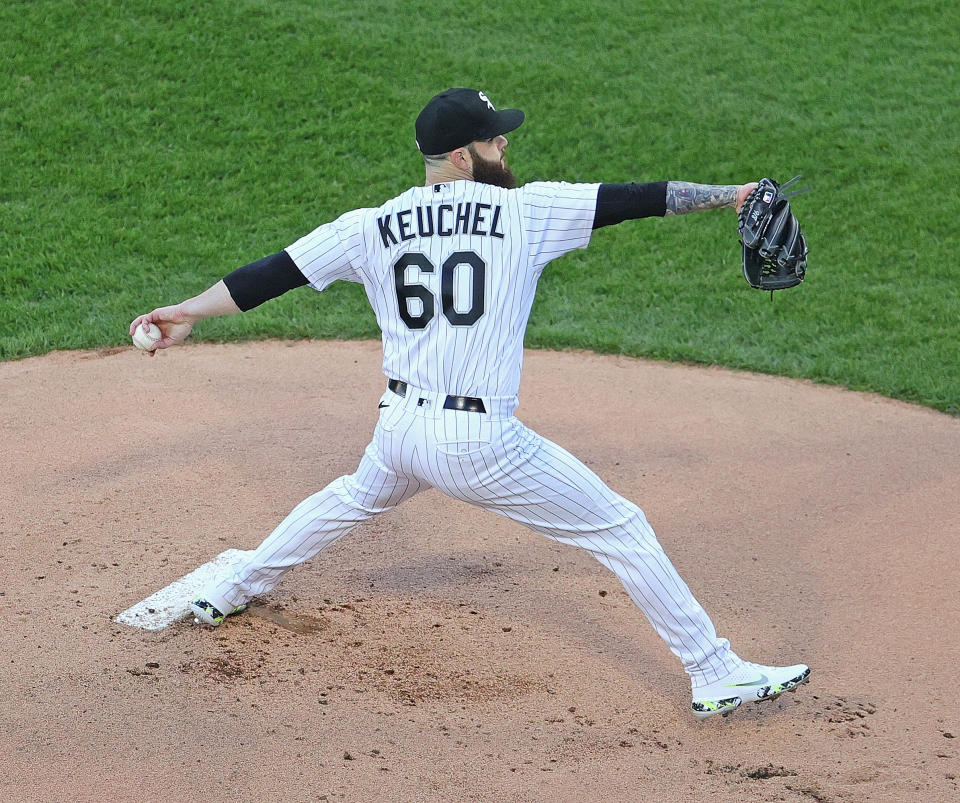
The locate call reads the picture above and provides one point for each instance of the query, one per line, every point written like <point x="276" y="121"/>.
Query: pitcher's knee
<point x="362" y="503"/>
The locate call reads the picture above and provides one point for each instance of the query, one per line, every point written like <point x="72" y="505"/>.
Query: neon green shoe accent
<point x="707" y="708"/>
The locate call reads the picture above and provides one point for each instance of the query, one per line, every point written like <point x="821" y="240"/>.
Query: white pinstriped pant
<point x="491" y="460"/>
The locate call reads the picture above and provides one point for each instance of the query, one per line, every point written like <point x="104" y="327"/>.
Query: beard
<point x="495" y="173"/>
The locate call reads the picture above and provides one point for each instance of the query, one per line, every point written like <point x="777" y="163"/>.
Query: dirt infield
<point x="444" y="654"/>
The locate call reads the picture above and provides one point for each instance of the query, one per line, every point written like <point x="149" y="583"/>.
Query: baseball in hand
<point x="146" y="340"/>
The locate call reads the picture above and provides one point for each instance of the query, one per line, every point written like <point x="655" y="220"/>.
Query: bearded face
<point x="493" y="172"/>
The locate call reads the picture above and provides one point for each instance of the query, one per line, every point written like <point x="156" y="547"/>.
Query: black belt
<point x="470" y="404"/>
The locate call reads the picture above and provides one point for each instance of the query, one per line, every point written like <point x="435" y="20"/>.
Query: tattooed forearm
<point x="683" y="197"/>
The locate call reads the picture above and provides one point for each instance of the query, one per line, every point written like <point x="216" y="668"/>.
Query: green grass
<point x="148" y="148"/>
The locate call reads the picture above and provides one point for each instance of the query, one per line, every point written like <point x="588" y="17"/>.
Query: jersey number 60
<point x="453" y="312"/>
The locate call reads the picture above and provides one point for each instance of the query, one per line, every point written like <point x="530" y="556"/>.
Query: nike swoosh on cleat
<point x="762" y="681"/>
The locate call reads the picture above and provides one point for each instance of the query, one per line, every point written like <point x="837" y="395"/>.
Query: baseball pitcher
<point x="450" y="269"/>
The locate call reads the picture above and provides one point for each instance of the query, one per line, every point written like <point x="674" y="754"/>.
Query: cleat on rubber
<point x="751" y="683"/>
<point x="206" y="613"/>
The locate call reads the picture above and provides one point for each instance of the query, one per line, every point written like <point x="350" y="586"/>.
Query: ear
<point x="461" y="159"/>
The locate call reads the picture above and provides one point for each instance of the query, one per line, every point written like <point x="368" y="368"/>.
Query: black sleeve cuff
<point x="264" y="279"/>
<point x="619" y="202"/>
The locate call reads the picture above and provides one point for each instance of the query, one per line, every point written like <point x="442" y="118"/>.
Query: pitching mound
<point x="440" y="653"/>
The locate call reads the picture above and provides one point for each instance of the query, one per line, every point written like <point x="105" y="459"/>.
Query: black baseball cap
<point x="458" y="117"/>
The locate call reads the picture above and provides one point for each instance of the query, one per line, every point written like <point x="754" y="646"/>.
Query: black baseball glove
<point x="774" y="249"/>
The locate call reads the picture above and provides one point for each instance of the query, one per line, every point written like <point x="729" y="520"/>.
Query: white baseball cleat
<point x="749" y="683"/>
<point x="205" y="612"/>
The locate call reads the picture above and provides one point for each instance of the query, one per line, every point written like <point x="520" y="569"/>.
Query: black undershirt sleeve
<point x="619" y="202"/>
<point x="262" y="280"/>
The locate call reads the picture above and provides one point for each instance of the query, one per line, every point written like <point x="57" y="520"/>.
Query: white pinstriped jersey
<point x="451" y="270"/>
